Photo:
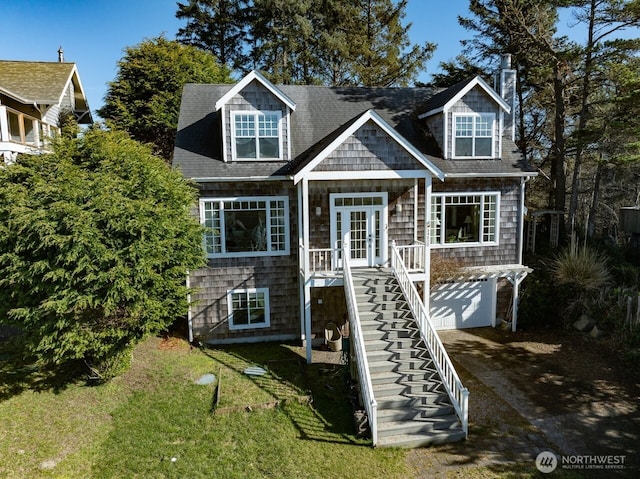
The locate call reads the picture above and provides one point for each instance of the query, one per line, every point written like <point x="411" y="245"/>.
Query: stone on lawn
<point x="596" y="332"/>
<point x="584" y="324"/>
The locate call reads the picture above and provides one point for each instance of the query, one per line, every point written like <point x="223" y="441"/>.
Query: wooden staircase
<point x="414" y="408"/>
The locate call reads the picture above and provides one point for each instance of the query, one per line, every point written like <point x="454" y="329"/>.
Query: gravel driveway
<point x="537" y="391"/>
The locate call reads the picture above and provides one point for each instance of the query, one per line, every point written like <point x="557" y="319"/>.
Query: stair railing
<point x="357" y="341"/>
<point x="457" y="392"/>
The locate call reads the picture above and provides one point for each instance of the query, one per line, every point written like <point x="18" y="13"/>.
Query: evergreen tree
<point x="216" y="26"/>
<point x="144" y="99"/>
<point x="381" y="53"/>
<point x="334" y="42"/>
<point x="96" y="240"/>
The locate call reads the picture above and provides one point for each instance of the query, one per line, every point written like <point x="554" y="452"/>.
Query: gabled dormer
<point x="467" y="120"/>
<point x="255" y="118"/>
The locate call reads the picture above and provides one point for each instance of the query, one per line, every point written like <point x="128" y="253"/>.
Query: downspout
<point x="523" y="182"/>
<point x="189" y="310"/>
<point x="416" y="199"/>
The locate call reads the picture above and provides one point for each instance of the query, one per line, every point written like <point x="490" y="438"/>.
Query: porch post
<point x="306" y="290"/>
<point x="515" y="281"/>
<point x="427" y="244"/>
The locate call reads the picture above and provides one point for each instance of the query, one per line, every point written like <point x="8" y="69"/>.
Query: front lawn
<point x="154" y="421"/>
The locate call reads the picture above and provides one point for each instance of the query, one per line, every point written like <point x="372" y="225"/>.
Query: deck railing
<point x="323" y="260"/>
<point x="457" y="392"/>
<point x="412" y="256"/>
<point x="360" y="354"/>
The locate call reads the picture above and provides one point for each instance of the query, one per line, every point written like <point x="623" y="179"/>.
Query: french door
<point x="360" y="219"/>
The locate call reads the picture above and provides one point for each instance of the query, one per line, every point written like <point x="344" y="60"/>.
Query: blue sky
<point x="94" y="33"/>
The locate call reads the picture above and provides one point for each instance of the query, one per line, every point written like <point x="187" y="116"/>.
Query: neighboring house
<point x="289" y="175"/>
<point x="32" y="97"/>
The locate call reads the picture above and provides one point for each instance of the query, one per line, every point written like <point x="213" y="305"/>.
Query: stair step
<point x="419" y="412"/>
<point x="389" y="335"/>
<point x="402" y="401"/>
<point x="384" y="315"/>
<point x="410" y="389"/>
<point x="421" y="440"/>
<point x="387" y="324"/>
<point x="420" y="425"/>
<point x="392" y="305"/>
<point x="379" y="363"/>
<point x="429" y="377"/>
<point x="396" y="355"/>
<point x="393" y="344"/>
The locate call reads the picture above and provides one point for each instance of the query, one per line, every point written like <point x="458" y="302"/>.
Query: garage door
<point x="469" y="304"/>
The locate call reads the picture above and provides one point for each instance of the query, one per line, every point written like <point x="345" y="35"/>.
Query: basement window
<point x="248" y="308"/>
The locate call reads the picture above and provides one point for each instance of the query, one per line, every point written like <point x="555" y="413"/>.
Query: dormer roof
<point x="445" y="99"/>
<point x="254" y="75"/>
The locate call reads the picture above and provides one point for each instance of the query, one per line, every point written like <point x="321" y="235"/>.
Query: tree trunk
<point x="584" y="113"/>
<point x="559" y="181"/>
<point x="591" y="222"/>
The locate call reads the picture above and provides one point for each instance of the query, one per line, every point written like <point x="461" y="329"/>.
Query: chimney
<point x="505" y="85"/>
<point x="60" y="55"/>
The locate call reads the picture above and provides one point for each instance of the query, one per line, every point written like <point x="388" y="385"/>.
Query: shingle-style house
<point x="32" y="96"/>
<point x="328" y="205"/>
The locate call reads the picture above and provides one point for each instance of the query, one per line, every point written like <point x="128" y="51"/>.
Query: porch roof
<point x="495" y="271"/>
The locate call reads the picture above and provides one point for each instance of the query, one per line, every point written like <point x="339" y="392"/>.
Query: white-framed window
<point x="256" y="135"/>
<point x="473" y="135"/>
<point x="465" y="219"/>
<point x="245" y="226"/>
<point x="248" y="308"/>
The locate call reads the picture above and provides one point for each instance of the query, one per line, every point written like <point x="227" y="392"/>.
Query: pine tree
<point x="216" y="26"/>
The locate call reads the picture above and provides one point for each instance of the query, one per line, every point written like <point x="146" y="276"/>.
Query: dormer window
<point x="473" y="135"/>
<point x="257" y="135"/>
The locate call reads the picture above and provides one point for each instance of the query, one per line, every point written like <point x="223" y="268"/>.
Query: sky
<point x="94" y="33"/>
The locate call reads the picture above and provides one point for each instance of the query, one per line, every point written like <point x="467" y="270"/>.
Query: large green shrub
<point x="95" y="243"/>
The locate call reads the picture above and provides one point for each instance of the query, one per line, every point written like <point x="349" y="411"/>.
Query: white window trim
<point x="246" y="254"/>
<point x="473" y="138"/>
<point x="256" y="113"/>
<point x="443" y="240"/>
<point x="267" y="309"/>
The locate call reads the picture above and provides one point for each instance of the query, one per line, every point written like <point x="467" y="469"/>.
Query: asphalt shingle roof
<point x="321" y="113"/>
<point x="41" y="82"/>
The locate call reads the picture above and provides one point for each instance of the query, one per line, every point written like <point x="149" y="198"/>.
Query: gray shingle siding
<point x="278" y="273"/>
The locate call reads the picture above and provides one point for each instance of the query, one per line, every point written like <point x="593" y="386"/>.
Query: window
<point x="245" y="226"/>
<point x="464" y="218"/>
<point x="248" y="308"/>
<point x="256" y="135"/>
<point x="473" y="136"/>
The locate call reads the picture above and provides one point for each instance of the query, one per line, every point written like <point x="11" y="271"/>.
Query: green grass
<point x="134" y="425"/>
<point x="293" y="422"/>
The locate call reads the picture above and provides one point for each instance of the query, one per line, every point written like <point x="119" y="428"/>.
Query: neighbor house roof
<point x="42" y="83"/>
<point x="321" y="114"/>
